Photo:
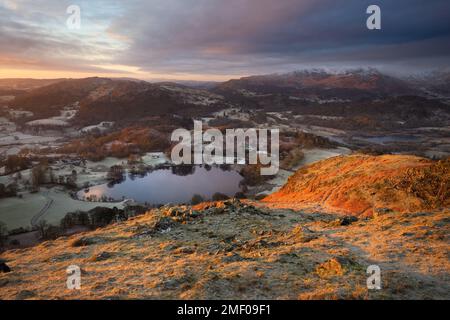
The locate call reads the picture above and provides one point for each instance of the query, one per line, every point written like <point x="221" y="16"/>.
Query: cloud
<point x="215" y="37"/>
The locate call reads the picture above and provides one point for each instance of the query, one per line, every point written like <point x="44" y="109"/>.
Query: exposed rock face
<point x="364" y="185"/>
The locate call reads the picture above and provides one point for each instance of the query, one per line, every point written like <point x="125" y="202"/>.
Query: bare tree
<point x="3" y="234"/>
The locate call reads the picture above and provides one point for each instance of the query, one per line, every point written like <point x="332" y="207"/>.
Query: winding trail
<point x="43" y="211"/>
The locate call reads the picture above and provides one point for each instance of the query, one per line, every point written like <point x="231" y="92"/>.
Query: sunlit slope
<point x="363" y="184"/>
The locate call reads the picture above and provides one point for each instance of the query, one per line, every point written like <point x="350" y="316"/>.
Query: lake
<point x="169" y="185"/>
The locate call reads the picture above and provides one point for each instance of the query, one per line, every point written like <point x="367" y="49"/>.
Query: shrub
<point x="116" y="173"/>
<point x="292" y="159"/>
<point x="3" y="233"/>
<point x="14" y="242"/>
<point x="219" y="196"/>
<point x="48" y="232"/>
<point x="309" y="140"/>
<point x="121" y="144"/>
<point x="38" y="175"/>
<point x="16" y="163"/>
<point x="196" y="199"/>
<point x="8" y="191"/>
<point x="252" y="175"/>
<point x="240" y="195"/>
<point x="81" y="242"/>
<point x="100" y="216"/>
<point x="78" y="218"/>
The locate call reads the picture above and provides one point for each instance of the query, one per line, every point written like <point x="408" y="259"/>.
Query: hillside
<point x="251" y="250"/>
<point x="104" y="99"/>
<point x="233" y="250"/>
<point x="357" y="83"/>
<point x="362" y="185"/>
<point x="23" y="84"/>
<point x="368" y="97"/>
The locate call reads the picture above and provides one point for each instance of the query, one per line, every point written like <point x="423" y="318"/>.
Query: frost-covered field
<point x="101" y="127"/>
<point x="18" y="212"/>
<point x="12" y="141"/>
<point x="233" y="114"/>
<point x="60" y="121"/>
<point x="194" y="96"/>
<point x="6" y="127"/>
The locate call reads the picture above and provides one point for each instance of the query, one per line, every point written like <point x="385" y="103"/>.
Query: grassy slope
<point x="241" y="253"/>
<point x="361" y="184"/>
<point x="235" y="250"/>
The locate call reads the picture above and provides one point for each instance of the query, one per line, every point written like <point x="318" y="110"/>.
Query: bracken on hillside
<point x="362" y="185"/>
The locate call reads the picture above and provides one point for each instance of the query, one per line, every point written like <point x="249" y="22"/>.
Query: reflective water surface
<point x="170" y="185"/>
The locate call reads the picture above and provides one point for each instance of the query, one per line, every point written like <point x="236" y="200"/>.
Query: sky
<point x="215" y="40"/>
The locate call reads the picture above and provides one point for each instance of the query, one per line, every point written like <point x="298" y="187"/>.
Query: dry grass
<point x="240" y="253"/>
<point x="254" y="250"/>
<point x="362" y="185"/>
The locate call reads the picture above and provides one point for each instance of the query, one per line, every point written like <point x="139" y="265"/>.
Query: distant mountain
<point x="435" y="84"/>
<point x="354" y="92"/>
<point x="197" y="84"/>
<point x="102" y="99"/>
<point x="49" y="100"/>
<point x="319" y="84"/>
<point x="25" y="84"/>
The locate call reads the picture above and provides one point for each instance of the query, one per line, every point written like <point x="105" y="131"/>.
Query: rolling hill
<point x="316" y="83"/>
<point x="364" y="185"/>
<point x="103" y="99"/>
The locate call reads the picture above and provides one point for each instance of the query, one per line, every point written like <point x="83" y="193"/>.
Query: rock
<point x="408" y="234"/>
<point x="348" y="220"/>
<point x="178" y="282"/>
<point x="381" y="212"/>
<point x="233" y="258"/>
<point x="330" y="268"/>
<point x="185" y="250"/>
<point x="82" y="242"/>
<point x="195" y="214"/>
<point x="4" y="268"/>
<point x="229" y="239"/>
<point x="171" y="247"/>
<point x="344" y="221"/>
<point x="174" y="212"/>
<point x="25" y="294"/>
<point x="172" y="284"/>
<point x="101" y="256"/>
<point x="218" y="210"/>
<point x="163" y="224"/>
<point x="287" y="258"/>
<point x="303" y="234"/>
<point x="337" y="266"/>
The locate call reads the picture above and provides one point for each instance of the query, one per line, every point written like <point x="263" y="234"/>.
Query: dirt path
<point x="43" y="211"/>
